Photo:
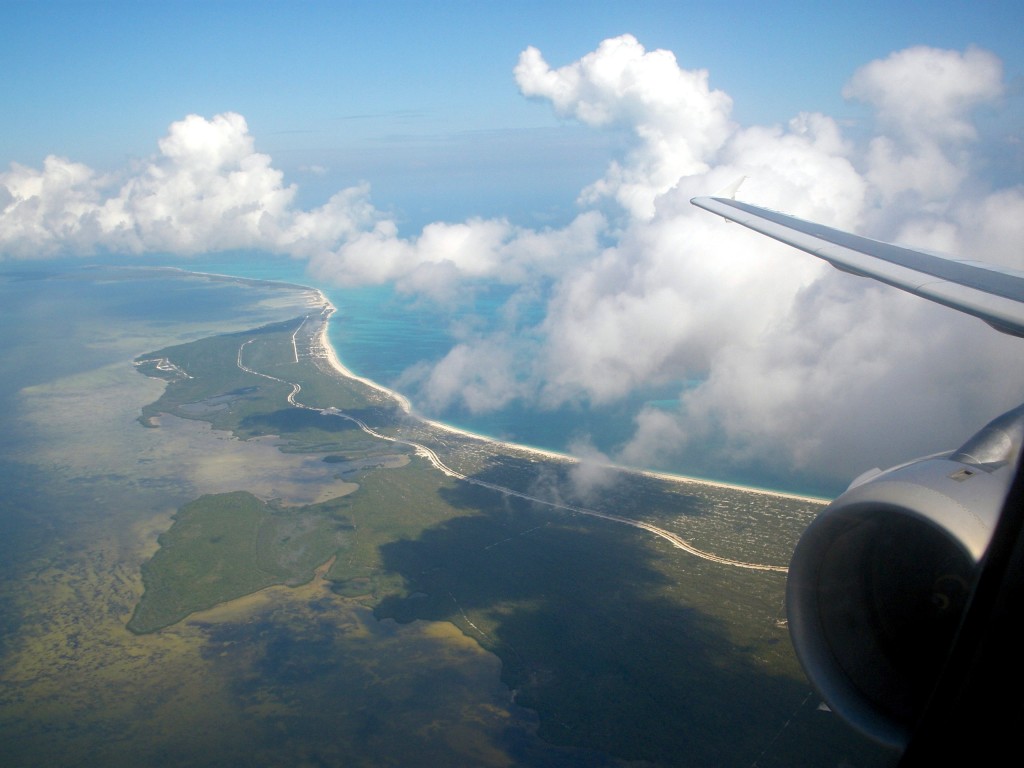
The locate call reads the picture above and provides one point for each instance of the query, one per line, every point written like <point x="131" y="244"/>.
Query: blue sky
<point x="418" y="98"/>
<point x="553" y="149"/>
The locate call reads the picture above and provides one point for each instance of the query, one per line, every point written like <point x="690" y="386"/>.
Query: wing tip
<point x="725" y="194"/>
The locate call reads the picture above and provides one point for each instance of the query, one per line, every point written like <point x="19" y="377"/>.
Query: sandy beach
<point x="328" y="352"/>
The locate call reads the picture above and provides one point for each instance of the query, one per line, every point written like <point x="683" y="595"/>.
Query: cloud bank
<point x="782" y="364"/>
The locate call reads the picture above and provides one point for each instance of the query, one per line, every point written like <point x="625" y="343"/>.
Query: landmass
<point x="313" y="575"/>
<point x="587" y="599"/>
<point x="219" y="547"/>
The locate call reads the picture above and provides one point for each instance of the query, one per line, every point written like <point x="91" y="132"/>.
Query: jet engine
<point x="880" y="580"/>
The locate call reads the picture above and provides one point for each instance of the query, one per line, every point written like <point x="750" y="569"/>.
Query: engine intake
<point x="880" y="580"/>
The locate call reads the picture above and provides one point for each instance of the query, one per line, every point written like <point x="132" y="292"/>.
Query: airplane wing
<point x="993" y="294"/>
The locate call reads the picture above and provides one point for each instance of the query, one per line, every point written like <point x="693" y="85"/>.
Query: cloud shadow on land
<point x="599" y="637"/>
<point x="291" y="420"/>
<point x="593" y="486"/>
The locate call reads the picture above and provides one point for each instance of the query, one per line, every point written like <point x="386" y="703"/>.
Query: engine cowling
<point x="879" y="581"/>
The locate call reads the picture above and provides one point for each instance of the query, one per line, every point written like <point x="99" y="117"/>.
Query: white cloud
<point x="481" y="375"/>
<point x="659" y="435"/>
<point x="930" y="92"/>
<point x="209" y="190"/>
<point x="445" y="255"/>
<point x="592" y="475"/>
<point x="206" y="190"/>
<point x="679" y="288"/>
<point x="42" y="207"/>
<point x="677" y="120"/>
<point x="923" y="98"/>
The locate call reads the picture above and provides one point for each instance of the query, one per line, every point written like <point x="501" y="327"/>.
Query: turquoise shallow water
<point x="380" y="334"/>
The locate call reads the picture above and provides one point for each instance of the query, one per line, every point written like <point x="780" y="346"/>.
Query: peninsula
<point x="430" y="522"/>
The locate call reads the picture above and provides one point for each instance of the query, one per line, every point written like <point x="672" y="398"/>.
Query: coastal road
<point x="421" y="450"/>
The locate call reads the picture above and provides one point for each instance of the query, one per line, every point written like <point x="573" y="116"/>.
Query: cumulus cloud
<point x="789" y="366"/>
<point x="206" y="190"/>
<point x="481" y="375"/>
<point x="923" y="98"/>
<point x="592" y="475"/>
<point x="446" y="254"/>
<point x="678" y="122"/>
<point x="925" y="91"/>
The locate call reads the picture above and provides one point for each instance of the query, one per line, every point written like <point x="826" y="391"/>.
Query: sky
<point x="553" y="148"/>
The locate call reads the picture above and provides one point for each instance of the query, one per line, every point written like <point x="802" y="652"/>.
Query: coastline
<point x="318" y="298"/>
<point x="330" y="354"/>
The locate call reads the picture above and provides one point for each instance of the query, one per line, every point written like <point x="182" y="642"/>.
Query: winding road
<point x="421" y="450"/>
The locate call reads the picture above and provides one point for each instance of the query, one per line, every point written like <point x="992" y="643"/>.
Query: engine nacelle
<point x="880" y="580"/>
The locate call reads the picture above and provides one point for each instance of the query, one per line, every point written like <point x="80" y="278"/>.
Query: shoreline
<point x="330" y="354"/>
<point x="319" y="298"/>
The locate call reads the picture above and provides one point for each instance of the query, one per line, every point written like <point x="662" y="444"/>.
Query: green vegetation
<point x="208" y="383"/>
<point x="229" y="545"/>
<point x="390" y="505"/>
<point x="225" y="546"/>
<point x="618" y="641"/>
<point x="597" y="635"/>
<point x="207" y="375"/>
